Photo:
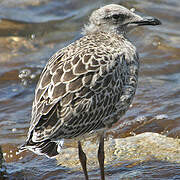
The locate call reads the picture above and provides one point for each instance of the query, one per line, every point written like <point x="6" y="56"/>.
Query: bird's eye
<point x="115" y="16"/>
<point x="119" y="17"/>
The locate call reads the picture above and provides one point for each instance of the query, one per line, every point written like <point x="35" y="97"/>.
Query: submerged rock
<point x="140" y="148"/>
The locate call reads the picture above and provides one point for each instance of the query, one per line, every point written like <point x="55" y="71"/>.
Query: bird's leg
<point x="83" y="159"/>
<point x="101" y="156"/>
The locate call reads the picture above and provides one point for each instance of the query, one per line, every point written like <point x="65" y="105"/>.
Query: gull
<point x="87" y="86"/>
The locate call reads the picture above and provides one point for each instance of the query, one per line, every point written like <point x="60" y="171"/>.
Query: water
<point x="31" y="31"/>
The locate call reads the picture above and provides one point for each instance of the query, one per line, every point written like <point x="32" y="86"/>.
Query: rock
<point x="1" y="158"/>
<point x="140" y="148"/>
<point x="2" y="167"/>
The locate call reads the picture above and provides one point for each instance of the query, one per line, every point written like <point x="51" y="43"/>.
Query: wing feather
<point x="74" y="87"/>
<point x="63" y="85"/>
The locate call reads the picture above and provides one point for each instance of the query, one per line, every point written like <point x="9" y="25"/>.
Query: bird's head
<point x="117" y="19"/>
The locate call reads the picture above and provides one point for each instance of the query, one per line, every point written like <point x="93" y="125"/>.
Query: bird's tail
<point x="48" y="148"/>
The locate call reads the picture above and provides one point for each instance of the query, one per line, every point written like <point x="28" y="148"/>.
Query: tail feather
<point x="48" y="148"/>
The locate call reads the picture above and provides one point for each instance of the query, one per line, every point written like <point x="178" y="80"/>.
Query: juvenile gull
<point x="87" y="86"/>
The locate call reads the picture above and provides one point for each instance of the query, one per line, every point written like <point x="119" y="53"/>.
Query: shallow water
<point x="32" y="30"/>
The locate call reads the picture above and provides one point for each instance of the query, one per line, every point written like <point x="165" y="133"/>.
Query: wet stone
<point x="141" y="148"/>
<point x="1" y="158"/>
<point x="2" y="167"/>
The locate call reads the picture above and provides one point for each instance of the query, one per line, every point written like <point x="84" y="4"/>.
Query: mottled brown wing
<point x="67" y="91"/>
<point x="40" y="103"/>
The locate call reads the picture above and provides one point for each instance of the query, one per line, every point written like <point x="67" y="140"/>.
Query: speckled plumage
<point x="85" y="86"/>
